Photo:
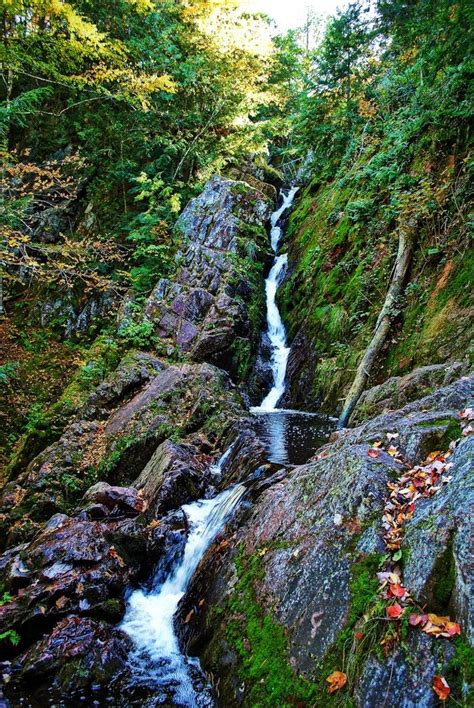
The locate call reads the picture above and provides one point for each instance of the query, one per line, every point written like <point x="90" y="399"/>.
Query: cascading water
<point x="275" y="327"/>
<point x="156" y="659"/>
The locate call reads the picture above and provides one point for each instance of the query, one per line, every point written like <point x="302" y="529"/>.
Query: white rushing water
<point x="217" y="469"/>
<point x="275" y="327"/>
<point x="156" y="657"/>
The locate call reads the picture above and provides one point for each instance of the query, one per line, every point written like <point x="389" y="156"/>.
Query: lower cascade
<point x="156" y="658"/>
<point x="275" y="327"/>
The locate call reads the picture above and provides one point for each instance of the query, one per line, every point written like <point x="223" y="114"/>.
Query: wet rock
<point x="302" y="362"/>
<point x="172" y="477"/>
<point x="166" y="543"/>
<point x="406" y="677"/>
<point x="261" y="379"/>
<point x="312" y="535"/>
<point x="79" y="654"/>
<point x="124" y="499"/>
<point x="82" y="567"/>
<point x="247" y="453"/>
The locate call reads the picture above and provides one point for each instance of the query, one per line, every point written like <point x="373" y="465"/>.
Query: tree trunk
<point x="384" y="323"/>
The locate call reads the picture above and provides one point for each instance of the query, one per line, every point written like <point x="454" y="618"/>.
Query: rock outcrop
<point x="120" y="427"/>
<point x="282" y="607"/>
<point x="213" y="308"/>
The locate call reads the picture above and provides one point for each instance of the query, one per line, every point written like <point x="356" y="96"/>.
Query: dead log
<point x="383" y="326"/>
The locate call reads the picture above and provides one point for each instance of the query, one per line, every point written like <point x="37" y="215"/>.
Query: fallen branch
<point x="387" y="314"/>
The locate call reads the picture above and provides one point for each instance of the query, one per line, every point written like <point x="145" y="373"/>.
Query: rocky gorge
<point x="295" y="579"/>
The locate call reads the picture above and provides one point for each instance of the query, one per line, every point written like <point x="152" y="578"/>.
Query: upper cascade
<point x="275" y="327"/>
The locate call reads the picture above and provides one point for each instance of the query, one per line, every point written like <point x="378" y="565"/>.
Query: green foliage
<point x="37" y="419"/>
<point x="8" y="373"/>
<point x="149" y="99"/>
<point x="138" y="334"/>
<point x="5" y="599"/>
<point x="381" y="120"/>
<point x="11" y="636"/>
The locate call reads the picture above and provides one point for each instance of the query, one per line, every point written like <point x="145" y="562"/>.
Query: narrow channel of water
<point x="275" y="327"/>
<point x="156" y="659"/>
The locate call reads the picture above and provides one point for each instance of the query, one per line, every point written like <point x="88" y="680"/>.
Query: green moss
<point x="443" y="576"/>
<point x="460" y="674"/>
<point x="262" y="645"/>
<point x="44" y="426"/>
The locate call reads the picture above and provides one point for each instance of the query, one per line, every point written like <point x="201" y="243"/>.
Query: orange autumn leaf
<point x="358" y="636"/>
<point x="453" y="628"/>
<point x="336" y="681"/>
<point x="441" y="688"/>
<point x="394" y="611"/>
<point x="437" y="619"/>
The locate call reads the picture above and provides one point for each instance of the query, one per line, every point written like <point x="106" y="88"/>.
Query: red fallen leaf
<point x="453" y="628"/>
<point x="397" y="590"/>
<point x="373" y="453"/>
<point x="394" y="611"/>
<point x="441" y="688"/>
<point x="336" y="681"/>
<point x="358" y="636"/>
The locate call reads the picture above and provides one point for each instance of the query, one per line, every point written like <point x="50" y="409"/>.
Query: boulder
<point x="79" y="661"/>
<point x="121" y="499"/>
<point x="173" y="476"/>
<point x="138" y="407"/>
<point x="75" y="565"/>
<point x="302" y="362"/>
<point x="397" y="391"/>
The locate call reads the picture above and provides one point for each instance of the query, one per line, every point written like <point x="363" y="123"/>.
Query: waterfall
<point x="275" y="327"/>
<point x="156" y="658"/>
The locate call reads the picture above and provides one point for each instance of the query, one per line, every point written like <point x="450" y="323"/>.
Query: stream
<point x="291" y="437"/>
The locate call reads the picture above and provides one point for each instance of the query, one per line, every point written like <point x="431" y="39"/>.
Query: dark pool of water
<point x="293" y="437"/>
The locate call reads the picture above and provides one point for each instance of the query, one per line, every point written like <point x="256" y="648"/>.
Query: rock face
<point x="118" y="430"/>
<point x="98" y="510"/>
<point x="286" y="602"/>
<point x="302" y="362"/>
<point x="400" y="390"/>
<point x="204" y="310"/>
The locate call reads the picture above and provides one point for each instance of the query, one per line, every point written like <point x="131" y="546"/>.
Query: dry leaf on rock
<point x="336" y="681"/>
<point x="441" y="688"/>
